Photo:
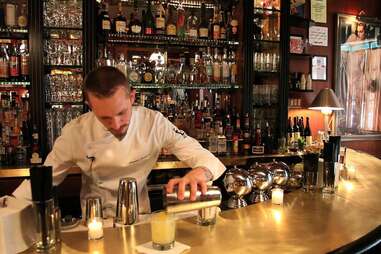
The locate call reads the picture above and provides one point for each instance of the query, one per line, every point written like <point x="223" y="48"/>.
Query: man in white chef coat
<point x="117" y="140"/>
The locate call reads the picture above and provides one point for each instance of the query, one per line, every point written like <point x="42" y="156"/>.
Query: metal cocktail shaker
<point x="127" y="207"/>
<point x="173" y="205"/>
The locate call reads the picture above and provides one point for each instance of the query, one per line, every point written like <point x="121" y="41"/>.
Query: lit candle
<point x="95" y="229"/>
<point x="277" y="196"/>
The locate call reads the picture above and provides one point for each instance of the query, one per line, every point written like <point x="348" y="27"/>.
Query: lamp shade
<point x="326" y="100"/>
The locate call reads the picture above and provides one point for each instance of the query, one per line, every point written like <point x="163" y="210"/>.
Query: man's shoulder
<point x="145" y="113"/>
<point x="86" y="119"/>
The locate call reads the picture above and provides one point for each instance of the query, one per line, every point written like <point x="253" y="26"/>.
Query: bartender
<point x="117" y="140"/>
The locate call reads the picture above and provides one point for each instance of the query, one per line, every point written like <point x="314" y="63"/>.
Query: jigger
<point x="127" y="208"/>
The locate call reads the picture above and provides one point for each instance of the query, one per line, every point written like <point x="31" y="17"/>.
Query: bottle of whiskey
<point x="120" y="22"/>
<point x="216" y="25"/>
<point x="216" y="67"/>
<point x="234" y="24"/>
<point x="14" y="63"/>
<point x="160" y="18"/>
<point x="180" y="24"/>
<point x="4" y="62"/>
<point x="104" y="20"/>
<point x="24" y="60"/>
<point x="237" y="136"/>
<point x="135" y="26"/>
<point x="203" y="29"/>
<point x="222" y="26"/>
<point x="149" y="23"/>
<point x="246" y="134"/>
<point x="233" y="67"/>
<point x="192" y="25"/>
<point x="225" y="67"/>
<point x="121" y="64"/>
<point x="22" y="19"/>
<point x="171" y="23"/>
<point x="208" y="61"/>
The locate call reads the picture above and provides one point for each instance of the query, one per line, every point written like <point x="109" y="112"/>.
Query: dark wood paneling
<point x="372" y="147"/>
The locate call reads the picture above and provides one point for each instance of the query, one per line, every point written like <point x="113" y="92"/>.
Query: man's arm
<point x="205" y="166"/>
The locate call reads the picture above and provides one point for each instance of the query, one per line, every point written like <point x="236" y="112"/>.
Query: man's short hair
<point x="103" y="81"/>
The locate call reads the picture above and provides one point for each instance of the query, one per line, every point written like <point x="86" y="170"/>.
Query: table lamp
<point x="326" y="101"/>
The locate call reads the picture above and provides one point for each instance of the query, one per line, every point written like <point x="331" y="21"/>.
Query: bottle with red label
<point x="149" y="22"/>
<point x="14" y="62"/>
<point x="24" y="61"/>
<point x="4" y="63"/>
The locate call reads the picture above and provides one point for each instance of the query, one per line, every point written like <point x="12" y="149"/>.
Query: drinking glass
<point x="163" y="227"/>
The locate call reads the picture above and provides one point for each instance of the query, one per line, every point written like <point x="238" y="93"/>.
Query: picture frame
<point x="296" y="44"/>
<point x="319" y="67"/>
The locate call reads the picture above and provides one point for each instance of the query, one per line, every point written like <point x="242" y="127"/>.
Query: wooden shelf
<point x="155" y="40"/>
<point x="301" y="91"/>
<point x="185" y="86"/>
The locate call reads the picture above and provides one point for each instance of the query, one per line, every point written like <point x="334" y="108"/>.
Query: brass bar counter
<point x="306" y="223"/>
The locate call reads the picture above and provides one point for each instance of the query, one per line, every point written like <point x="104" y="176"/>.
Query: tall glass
<point x="163" y="227"/>
<point x="44" y="214"/>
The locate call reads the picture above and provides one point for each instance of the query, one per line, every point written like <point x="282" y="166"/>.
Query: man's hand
<point x="196" y="177"/>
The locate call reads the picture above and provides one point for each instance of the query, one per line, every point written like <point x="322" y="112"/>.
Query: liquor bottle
<point x="149" y="23"/>
<point x="203" y="29"/>
<point x="4" y="62"/>
<point x="234" y="24"/>
<point x="222" y="26"/>
<point x="257" y="146"/>
<point x="192" y="25"/>
<point x="210" y="29"/>
<point x="246" y="134"/>
<point x="171" y="23"/>
<point x="290" y="132"/>
<point x="133" y="70"/>
<point x="201" y="69"/>
<point x="233" y="67"/>
<point x="104" y="20"/>
<point x="22" y="19"/>
<point x="216" y="67"/>
<point x="229" y="135"/>
<point x="135" y="26"/>
<point x="296" y="129"/>
<point x="121" y="64"/>
<point x="14" y="63"/>
<point x="180" y="23"/>
<point x="221" y="146"/>
<point x="225" y="67"/>
<point x="208" y="61"/>
<point x="237" y="136"/>
<point x="24" y="60"/>
<point x="10" y="14"/>
<point x="268" y="139"/>
<point x="213" y="140"/>
<point x="148" y="72"/>
<point x="307" y="132"/>
<point x="35" y="147"/>
<point x="193" y="75"/>
<point x="109" y="58"/>
<point x="301" y="126"/>
<point x="160" y="18"/>
<point x="216" y="25"/>
<point x="120" y="22"/>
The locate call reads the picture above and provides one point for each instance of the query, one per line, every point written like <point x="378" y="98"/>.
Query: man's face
<point x="114" y="112"/>
<point x="361" y="31"/>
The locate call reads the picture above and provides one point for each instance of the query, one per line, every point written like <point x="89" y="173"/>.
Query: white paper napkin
<point x="17" y="230"/>
<point x="147" y="248"/>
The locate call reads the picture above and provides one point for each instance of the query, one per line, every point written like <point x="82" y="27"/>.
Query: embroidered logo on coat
<point x="182" y="133"/>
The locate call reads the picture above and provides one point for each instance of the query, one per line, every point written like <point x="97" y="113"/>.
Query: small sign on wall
<point x="318" y="36"/>
<point x="319" y="11"/>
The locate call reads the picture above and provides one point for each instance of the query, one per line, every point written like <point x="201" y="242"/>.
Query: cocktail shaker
<point x="127" y="207"/>
<point x="172" y="204"/>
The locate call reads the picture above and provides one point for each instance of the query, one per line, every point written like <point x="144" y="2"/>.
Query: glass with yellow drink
<point x="163" y="227"/>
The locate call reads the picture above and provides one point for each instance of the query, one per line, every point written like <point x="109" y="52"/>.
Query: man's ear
<point x="132" y="95"/>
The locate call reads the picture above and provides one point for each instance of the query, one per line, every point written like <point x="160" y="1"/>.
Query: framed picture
<point x="319" y="68"/>
<point x="297" y="8"/>
<point x="358" y="75"/>
<point x="296" y="44"/>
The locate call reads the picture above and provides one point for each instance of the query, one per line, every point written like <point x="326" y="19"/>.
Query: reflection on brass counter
<point x="169" y="162"/>
<point x="306" y="223"/>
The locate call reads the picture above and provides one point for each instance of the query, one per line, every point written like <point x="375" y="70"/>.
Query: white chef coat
<point x="104" y="159"/>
